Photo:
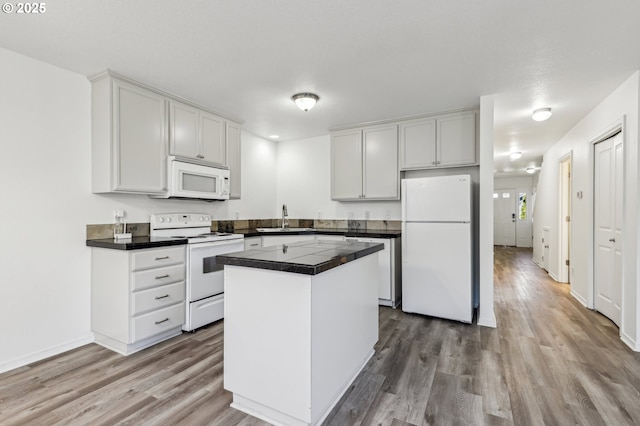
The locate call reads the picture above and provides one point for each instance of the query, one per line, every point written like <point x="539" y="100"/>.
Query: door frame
<point x="564" y="228"/>
<point x="617" y="126"/>
<point x="515" y="210"/>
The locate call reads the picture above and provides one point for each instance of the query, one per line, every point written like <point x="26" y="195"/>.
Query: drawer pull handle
<point x="162" y="258"/>
<point x="160" y="322"/>
<point x="162" y="297"/>
<point x="162" y="276"/>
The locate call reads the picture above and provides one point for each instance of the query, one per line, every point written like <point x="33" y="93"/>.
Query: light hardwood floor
<point x="550" y="361"/>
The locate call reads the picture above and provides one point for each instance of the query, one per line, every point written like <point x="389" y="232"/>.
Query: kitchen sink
<point x="283" y="229"/>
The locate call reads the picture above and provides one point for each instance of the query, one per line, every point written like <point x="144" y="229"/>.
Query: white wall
<point x="304" y="185"/>
<point x="622" y="104"/>
<point x="45" y="132"/>
<point x="524" y="229"/>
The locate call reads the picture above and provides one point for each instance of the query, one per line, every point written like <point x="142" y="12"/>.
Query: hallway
<point x="550" y="361"/>
<point x="563" y="363"/>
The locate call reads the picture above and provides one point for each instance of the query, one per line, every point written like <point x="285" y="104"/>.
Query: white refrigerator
<point x="437" y="247"/>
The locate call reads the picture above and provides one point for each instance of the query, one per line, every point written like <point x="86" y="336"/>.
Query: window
<point x="522" y="206"/>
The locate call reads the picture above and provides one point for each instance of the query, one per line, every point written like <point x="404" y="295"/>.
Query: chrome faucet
<point x="285" y="221"/>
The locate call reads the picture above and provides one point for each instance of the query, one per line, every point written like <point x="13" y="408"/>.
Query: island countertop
<point x="309" y="258"/>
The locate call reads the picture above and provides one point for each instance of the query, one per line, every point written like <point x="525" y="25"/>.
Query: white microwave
<point x="196" y="181"/>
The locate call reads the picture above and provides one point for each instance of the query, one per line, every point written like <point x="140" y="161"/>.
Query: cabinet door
<point x="140" y="140"/>
<point x="183" y="125"/>
<point x="234" y="159"/>
<point x="212" y="130"/>
<point x="456" y="140"/>
<point x="381" y="176"/>
<point x="346" y="165"/>
<point x="418" y="144"/>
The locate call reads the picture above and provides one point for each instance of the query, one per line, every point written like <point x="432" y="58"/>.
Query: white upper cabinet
<point x="456" y="138"/>
<point x="381" y="178"/>
<point x="129" y="137"/>
<point x="346" y="165"/>
<point x="234" y="159"/>
<point x="439" y="141"/>
<point x="418" y="144"/>
<point x="364" y="164"/>
<point x="196" y="134"/>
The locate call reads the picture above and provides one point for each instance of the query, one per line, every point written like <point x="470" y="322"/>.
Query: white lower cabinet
<point x="252" y="243"/>
<point x="389" y="269"/>
<point x="137" y="296"/>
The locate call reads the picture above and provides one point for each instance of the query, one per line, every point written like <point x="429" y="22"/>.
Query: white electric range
<point x="205" y="278"/>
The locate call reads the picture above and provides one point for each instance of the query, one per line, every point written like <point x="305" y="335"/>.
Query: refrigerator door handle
<point x="404" y="253"/>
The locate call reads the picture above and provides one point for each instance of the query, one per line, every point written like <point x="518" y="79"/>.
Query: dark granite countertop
<point x="363" y="233"/>
<point x="309" y="258"/>
<point x="136" y="243"/>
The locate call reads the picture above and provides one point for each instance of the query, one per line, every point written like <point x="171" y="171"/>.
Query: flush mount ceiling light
<point x="541" y="114"/>
<point x="305" y="101"/>
<point x="531" y="170"/>
<point x="515" y="155"/>
<point x="274" y="136"/>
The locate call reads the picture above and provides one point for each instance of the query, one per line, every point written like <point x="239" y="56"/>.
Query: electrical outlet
<point x="387" y="214"/>
<point x="319" y="214"/>
<point x="366" y="215"/>
<point x="119" y="214"/>
<point x="237" y="215"/>
<point x="350" y="215"/>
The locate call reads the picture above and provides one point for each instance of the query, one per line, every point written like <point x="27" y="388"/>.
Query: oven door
<point x="206" y="275"/>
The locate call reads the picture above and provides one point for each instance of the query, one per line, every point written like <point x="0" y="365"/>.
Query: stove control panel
<point x="179" y="220"/>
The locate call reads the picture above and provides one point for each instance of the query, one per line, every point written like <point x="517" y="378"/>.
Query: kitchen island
<point x="300" y="323"/>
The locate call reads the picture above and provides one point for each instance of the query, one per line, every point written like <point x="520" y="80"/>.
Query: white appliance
<point x="196" y="180"/>
<point x="205" y="277"/>
<point x="437" y="247"/>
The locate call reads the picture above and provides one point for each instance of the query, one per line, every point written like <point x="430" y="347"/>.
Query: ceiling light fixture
<point x="274" y="136"/>
<point x="531" y="170"/>
<point x="305" y="101"/>
<point x="541" y="114"/>
<point x="515" y="155"/>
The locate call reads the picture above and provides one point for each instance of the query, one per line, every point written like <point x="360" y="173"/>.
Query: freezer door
<point x="436" y="270"/>
<point x="437" y="199"/>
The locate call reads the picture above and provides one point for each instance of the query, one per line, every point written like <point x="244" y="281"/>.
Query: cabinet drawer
<point x="157" y="277"/>
<point x="156" y="322"/>
<point x="158" y="297"/>
<point x="153" y="258"/>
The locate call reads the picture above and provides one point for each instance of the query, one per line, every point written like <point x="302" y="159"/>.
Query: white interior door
<point x="608" y="227"/>
<point x="504" y="217"/>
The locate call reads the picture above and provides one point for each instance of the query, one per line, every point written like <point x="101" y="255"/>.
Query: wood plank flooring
<point x="550" y="361"/>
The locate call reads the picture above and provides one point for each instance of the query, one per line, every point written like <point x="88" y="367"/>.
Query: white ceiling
<point x="368" y="60"/>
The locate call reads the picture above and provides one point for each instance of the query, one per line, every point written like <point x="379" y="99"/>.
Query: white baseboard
<point x="555" y="278"/>
<point x="537" y="262"/>
<point x="579" y="298"/>
<point x="46" y="353"/>
<point x="627" y="340"/>
<point x="488" y="320"/>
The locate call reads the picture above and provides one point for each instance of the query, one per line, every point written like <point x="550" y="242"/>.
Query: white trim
<point x="617" y="126"/>
<point x="579" y="298"/>
<point x="627" y="340"/>
<point x="46" y="353"/>
<point x="487" y="321"/>
<point x="554" y="277"/>
<point x="564" y="244"/>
